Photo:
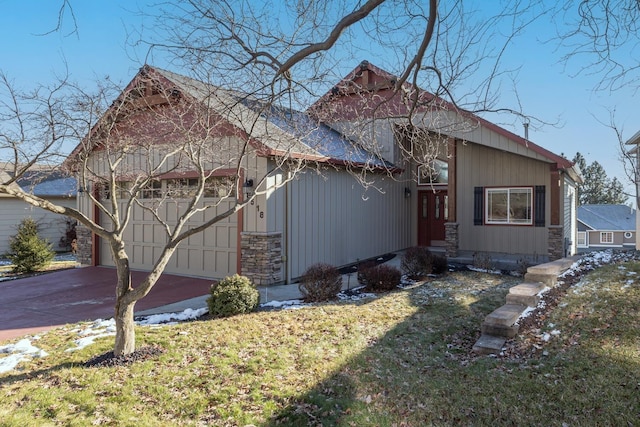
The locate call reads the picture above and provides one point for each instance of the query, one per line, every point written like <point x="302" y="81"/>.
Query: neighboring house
<point x="53" y="227"/>
<point x="606" y="226"/>
<point x="489" y="190"/>
<point x="635" y="151"/>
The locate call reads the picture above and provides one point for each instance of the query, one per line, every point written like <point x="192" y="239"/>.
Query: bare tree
<point x="170" y="142"/>
<point x="605" y="34"/>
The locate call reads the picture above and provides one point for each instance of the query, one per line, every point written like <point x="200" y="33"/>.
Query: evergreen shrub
<point x="233" y="295"/>
<point x="27" y="251"/>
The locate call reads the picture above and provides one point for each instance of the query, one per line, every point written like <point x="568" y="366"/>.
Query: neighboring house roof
<point x="607" y="217"/>
<point x="634" y="140"/>
<point x="44" y="183"/>
<point x="393" y="106"/>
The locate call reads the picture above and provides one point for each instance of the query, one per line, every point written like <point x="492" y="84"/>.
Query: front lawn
<point x="400" y="359"/>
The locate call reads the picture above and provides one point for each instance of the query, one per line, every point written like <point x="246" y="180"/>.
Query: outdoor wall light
<point x="248" y="184"/>
<point x="407" y="192"/>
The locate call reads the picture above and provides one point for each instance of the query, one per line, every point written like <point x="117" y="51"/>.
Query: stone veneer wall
<point x="85" y="243"/>
<point x="556" y="242"/>
<point x="261" y="255"/>
<point x="451" y="238"/>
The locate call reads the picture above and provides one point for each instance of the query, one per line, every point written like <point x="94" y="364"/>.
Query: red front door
<point x="433" y="212"/>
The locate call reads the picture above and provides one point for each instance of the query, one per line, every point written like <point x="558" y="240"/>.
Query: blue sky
<point x="546" y="88"/>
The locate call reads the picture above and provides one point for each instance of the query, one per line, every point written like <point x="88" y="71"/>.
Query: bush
<point x="417" y="262"/>
<point x="321" y="282"/>
<point x="381" y="277"/>
<point x="362" y="271"/>
<point x="27" y="251"/>
<point x="233" y="295"/>
<point x="439" y="264"/>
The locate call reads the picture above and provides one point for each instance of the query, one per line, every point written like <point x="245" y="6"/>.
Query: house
<point x="478" y="188"/>
<point x="49" y="185"/>
<point x="605" y="227"/>
<point x="634" y="141"/>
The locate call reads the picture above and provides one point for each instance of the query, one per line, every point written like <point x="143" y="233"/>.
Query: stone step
<point x="525" y="294"/>
<point x="488" y="344"/>
<point x="500" y="331"/>
<point x="549" y="280"/>
<point x="505" y="315"/>
<point x="556" y="267"/>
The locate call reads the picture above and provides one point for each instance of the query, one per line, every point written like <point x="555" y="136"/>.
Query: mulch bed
<point x="108" y="359"/>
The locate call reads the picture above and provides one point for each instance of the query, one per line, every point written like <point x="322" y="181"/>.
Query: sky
<point x="547" y="89"/>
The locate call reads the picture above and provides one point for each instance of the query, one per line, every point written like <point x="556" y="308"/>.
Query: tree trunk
<point x="125" y="342"/>
<point x="125" y="328"/>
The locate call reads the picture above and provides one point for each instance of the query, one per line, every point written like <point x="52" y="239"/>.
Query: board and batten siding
<point x="569" y="220"/>
<point x="481" y="166"/>
<point x="51" y="226"/>
<point x="333" y="219"/>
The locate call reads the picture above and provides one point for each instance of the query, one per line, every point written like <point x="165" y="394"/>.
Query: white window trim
<point x="608" y="233"/>
<point x="585" y="243"/>
<point x="507" y="222"/>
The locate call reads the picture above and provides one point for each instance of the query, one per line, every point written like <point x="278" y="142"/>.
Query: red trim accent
<point x="240" y="222"/>
<point x="346" y="87"/>
<point x="95" y="239"/>
<point x="194" y="174"/>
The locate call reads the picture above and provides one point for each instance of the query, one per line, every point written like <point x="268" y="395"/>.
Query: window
<point x="628" y="234"/>
<point x="153" y="190"/>
<point x="606" y="237"/>
<point x="509" y="206"/>
<point x="582" y="239"/>
<point x="437" y="172"/>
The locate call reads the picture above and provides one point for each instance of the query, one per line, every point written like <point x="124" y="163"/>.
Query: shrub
<point x="417" y="262"/>
<point x="320" y="282"/>
<point x="439" y="264"/>
<point x="27" y="251"/>
<point x="483" y="261"/>
<point x="362" y="271"/>
<point x="381" y="277"/>
<point x="233" y="295"/>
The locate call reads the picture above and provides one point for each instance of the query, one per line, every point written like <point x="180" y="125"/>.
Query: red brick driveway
<point x="44" y="302"/>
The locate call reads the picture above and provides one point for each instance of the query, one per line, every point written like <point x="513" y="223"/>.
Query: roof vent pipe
<point x="526" y="129"/>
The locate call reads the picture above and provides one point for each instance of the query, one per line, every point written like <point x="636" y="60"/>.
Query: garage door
<point x="211" y="253"/>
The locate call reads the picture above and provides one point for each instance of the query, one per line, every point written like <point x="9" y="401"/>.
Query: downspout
<point x="286" y="259"/>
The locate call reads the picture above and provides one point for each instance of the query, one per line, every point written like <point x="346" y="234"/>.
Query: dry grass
<point x="401" y="359"/>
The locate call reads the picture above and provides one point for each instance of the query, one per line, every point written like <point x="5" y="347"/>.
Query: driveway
<point x="40" y="303"/>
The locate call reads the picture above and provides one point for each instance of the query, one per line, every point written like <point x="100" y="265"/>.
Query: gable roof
<point x="274" y="130"/>
<point x="607" y="217"/>
<point x="389" y="103"/>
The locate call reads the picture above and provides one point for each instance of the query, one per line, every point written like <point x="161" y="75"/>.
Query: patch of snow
<point x="172" y="318"/>
<point x="21" y="351"/>
<point x="355" y="297"/>
<point x="483" y="270"/>
<point x="287" y="304"/>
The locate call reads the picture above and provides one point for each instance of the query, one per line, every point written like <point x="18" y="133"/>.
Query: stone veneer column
<point x="451" y="238"/>
<point x="556" y="242"/>
<point x="261" y="255"/>
<point x="85" y="245"/>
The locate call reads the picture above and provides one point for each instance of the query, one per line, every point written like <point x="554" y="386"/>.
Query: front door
<point x="433" y="213"/>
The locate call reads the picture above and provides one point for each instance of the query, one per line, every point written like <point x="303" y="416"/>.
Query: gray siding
<point x="51" y="226"/>
<point x="480" y="166"/>
<point x="569" y="220"/>
<point x="333" y="219"/>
